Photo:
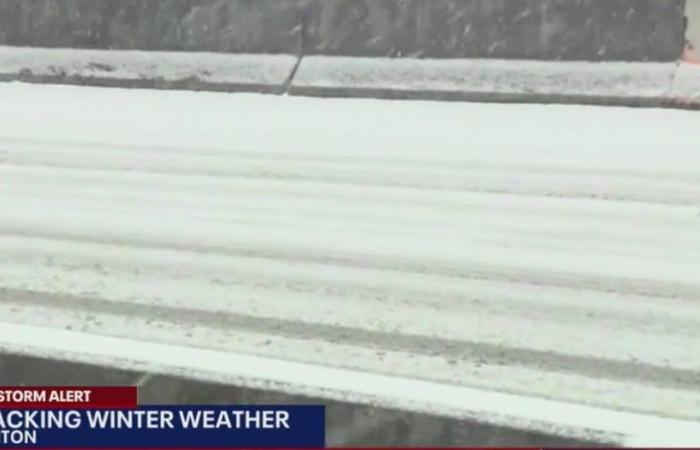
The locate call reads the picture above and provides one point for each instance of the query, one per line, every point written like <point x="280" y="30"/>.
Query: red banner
<point x="29" y="397"/>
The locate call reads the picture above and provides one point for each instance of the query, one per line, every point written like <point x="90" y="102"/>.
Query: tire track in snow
<point x="595" y="283"/>
<point x="667" y="377"/>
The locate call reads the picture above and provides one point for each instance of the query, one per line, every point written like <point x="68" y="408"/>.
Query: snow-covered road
<point x="548" y="251"/>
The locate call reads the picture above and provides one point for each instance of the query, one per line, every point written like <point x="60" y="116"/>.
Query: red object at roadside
<point x="691" y="54"/>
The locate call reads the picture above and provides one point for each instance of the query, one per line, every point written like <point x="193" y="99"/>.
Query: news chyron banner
<point x="110" y="417"/>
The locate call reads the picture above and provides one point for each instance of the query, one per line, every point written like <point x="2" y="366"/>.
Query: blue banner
<point x="165" y="427"/>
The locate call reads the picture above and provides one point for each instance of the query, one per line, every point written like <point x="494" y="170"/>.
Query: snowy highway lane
<point x="544" y="251"/>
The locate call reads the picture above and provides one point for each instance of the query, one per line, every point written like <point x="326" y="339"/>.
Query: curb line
<point x="661" y="85"/>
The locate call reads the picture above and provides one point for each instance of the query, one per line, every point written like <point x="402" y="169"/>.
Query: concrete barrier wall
<point x="235" y="26"/>
<point x="521" y="29"/>
<point x="599" y="30"/>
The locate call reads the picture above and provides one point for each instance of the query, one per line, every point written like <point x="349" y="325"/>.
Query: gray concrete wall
<point x="522" y="29"/>
<point x="638" y="30"/>
<point x="236" y="26"/>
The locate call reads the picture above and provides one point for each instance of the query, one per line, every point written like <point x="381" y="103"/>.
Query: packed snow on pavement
<point x="545" y="251"/>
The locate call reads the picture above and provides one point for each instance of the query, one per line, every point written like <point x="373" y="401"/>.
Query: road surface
<point x="551" y="252"/>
